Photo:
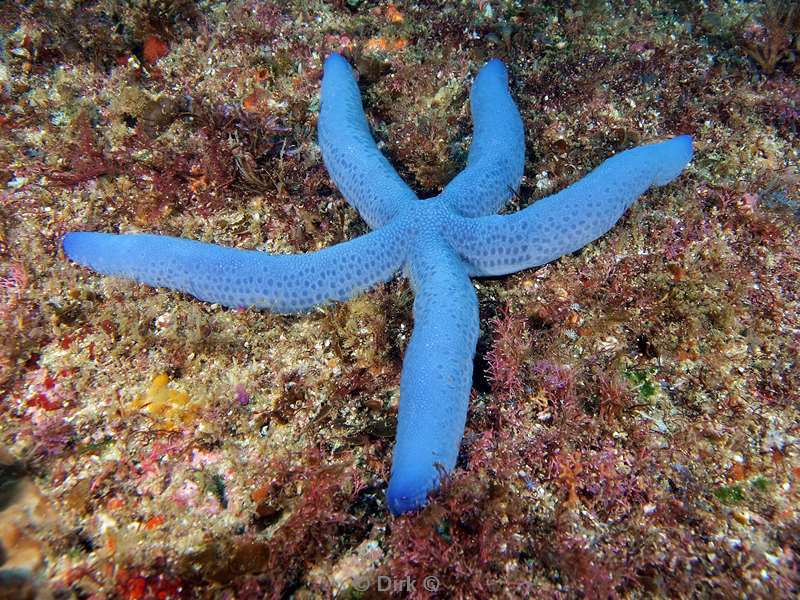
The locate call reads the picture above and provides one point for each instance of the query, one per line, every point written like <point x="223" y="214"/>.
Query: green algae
<point x="729" y="494"/>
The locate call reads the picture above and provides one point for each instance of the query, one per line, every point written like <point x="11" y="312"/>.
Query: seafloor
<point x="633" y="428"/>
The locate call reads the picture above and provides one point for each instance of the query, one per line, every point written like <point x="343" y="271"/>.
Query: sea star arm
<point x="242" y="278"/>
<point x="497" y="155"/>
<point x="570" y="219"/>
<point x="363" y="175"/>
<point x="436" y="377"/>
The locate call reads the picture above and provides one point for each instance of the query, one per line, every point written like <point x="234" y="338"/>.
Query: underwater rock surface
<point x="632" y="426"/>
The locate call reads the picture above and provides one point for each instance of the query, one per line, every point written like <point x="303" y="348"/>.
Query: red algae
<point x="632" y="430"/>
<point x="154" y="48"/>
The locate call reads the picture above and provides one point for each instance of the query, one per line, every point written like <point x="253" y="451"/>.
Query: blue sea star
<point x="441" y="242"/>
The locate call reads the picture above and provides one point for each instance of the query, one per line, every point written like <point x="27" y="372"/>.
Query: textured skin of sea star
<point x="439" y="242"/>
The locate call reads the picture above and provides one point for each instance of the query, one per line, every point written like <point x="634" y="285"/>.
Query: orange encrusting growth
<point x="381" y="44"/>
<point x="168" y="405"/>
